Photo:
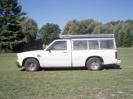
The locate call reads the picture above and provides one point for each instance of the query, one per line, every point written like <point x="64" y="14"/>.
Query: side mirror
<point x="48" y="50"/>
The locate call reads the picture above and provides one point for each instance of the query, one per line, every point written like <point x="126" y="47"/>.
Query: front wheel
<point x="94" y="64"/>
<point x="31" y="65"/>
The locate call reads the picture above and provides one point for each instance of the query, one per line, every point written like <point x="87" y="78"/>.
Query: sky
<point x="62" y="11"/>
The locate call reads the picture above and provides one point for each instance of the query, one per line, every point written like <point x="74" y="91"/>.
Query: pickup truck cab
<point x="90" y="51"/>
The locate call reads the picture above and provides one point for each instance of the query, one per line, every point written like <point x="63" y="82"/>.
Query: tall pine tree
<point x="10" y="29"/>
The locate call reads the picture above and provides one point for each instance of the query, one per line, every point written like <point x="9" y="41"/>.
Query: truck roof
<point x="87" y="36"/>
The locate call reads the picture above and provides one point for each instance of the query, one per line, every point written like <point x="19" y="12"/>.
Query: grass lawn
<point x="67" y="84"/>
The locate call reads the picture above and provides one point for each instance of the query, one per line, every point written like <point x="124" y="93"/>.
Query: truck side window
<point x="80" y="44"/>
<point x="58" y="45"/>
<point x="93" y="44"/>
<point x="106" y="44"/>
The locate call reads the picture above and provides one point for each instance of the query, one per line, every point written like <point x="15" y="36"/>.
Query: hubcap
<point x="95" y="66"/>
<point x="32" y="67"/>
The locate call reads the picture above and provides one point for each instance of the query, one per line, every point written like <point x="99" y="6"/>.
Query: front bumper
<point x="18" y="65"/>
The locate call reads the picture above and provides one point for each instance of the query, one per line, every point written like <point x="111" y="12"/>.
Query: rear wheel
<point x="31" y="65"/>
<point x="94" y="64"/>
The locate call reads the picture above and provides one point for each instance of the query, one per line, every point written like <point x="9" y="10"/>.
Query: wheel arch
<point x="30" y="58"/>
<point x="94" y="57"/>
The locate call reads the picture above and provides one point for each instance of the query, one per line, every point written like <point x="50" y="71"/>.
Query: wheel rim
<point x="95" y="66"/>
<point x="32" y="66"/>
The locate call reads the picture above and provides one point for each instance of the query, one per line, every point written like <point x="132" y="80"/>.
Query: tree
<point x="72" y="27"/>
<point x="30" y="29"/>
<point x="10" y="30"/>
<point x="80" y="27"/>
<point x="49" y="32"/>
<point x="127" y="40"/>
<point x="123" y="31"/>
<point x="88" y="26"/>
<point x="128" y="37"/>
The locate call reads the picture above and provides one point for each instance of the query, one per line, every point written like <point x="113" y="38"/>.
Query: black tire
<point x="94" y="64"/>
<point x="31" y="65"/>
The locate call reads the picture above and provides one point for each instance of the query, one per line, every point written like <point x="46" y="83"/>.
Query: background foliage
<point x="20" y="33"/>
<point x="123" y="30"/>
<point x="10" y="30"/>
<point x="49" y="32"/>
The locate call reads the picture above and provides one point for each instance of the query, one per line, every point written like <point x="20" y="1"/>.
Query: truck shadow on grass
<point x="114" y="66"/>
<point x="107" y="67"/>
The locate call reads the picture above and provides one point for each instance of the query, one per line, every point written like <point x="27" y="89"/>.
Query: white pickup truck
<point x="90" y="51"/>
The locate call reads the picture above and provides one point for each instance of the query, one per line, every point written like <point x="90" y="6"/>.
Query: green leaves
<point x="49" y="32"/>
<point x="10" y="30"/>
<point x="30" y="29"/>
<point x="80" y="27"/>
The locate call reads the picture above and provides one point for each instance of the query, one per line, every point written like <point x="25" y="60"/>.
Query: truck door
<point x="58" y="54"/>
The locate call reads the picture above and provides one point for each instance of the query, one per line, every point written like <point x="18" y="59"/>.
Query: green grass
<point x="67" y="84"/>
